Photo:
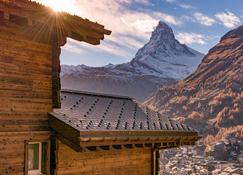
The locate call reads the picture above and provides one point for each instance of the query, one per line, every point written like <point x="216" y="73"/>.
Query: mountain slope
<point x="162" y="60"/>
<point x="211" y="99"/>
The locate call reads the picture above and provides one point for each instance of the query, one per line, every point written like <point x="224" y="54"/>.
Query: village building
<point x="44" y="130"/>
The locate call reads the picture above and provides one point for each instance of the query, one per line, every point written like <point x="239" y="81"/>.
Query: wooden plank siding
<point x="12" y="150"/>
<point x="25" y="96"/>
<point x="113" y="162"/>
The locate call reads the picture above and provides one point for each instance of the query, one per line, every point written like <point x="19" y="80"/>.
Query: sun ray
<point x="60" y="5"/>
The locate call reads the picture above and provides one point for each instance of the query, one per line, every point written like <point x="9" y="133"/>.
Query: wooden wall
<point x="25" y="96"/>
<point x="135" y="161"/>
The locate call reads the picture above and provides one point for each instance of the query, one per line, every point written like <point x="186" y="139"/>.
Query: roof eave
<point x="87" y="31"/>
<point x="93" y="138"/>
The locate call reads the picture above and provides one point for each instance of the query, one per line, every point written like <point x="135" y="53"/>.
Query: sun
<point x="60" y="5"/>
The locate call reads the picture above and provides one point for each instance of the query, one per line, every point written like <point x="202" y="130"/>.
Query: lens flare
<point x="60" y="5"/>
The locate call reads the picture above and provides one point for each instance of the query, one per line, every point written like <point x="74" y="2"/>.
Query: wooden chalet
<point x="45" y="131"/>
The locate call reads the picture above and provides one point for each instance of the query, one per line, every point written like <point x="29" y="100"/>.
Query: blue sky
<point x="197" y="23"/>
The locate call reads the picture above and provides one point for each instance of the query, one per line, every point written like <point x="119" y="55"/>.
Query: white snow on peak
<point x="163" y="56"/>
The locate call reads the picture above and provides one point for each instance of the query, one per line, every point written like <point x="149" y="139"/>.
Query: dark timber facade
<point x="46" y="131"/>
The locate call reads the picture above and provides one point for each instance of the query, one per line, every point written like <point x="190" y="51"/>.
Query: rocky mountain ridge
<point x="210" y="99"/>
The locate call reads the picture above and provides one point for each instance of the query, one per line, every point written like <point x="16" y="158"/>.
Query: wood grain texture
<point x="25" y="82"/>
<point x="12" y="150"/>
<point x="135" y="161"/>
<point x="25" y="96"/>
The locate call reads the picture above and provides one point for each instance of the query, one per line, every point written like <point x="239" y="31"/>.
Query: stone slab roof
<point x="94" y="112"/>
<point x="90" y="119"/>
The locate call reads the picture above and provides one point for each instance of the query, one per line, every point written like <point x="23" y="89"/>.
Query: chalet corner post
<point x="56" y="68"/>
<point x="53" y="153"/>
<point x="155" y="161"/>
<point x="25" y="157"/>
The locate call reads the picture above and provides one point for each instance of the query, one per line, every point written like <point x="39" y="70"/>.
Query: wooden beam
<point x="56" y="68"/>
<point x="157" y="145"/>
<point x="155" y="161"/>
<point x="117" y="146"/>
<point x="105" y="148"/>
<point x="64" y="130"/>
<point x="26" y="148"/>
<point x="67" y="24"/>
<point x="6" y="16"/>
<point x="71" y="144"/>
<point x="139" y="145"/>
<point x="165" y="144"/>
<point x="53" y="153"/>
<point x="149" y="145"/>
<point x="128" y="146"/>
<point x="92" y="148"/>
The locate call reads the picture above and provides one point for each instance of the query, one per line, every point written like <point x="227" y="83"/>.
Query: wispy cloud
<point x="113" y="50"/>
<point x="186" y="6"/>
<point x="166" y="18"/>
<point x="126" y="41"/>
<point x="128" y="2"/>
<point x="129" y="27"/>
<point x="203" y="19"/>
<point x="179" y="4"/>
<point x="192" y="38"/>
<point x="145" y="2"/>
<point x="71" y="47"/>
<point x="123" y="21"/>
<point x="106" y="47"/>
<point x="228" y="19"/>
<point x="170" y="1"/>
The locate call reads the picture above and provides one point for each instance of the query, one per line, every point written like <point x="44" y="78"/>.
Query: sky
<point x="197" y="23"/>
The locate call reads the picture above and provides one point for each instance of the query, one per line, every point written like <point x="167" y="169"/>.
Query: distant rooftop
<point x="93" y="118"/>
<point x="95" y="94"/>
<point x="93" y="111"/>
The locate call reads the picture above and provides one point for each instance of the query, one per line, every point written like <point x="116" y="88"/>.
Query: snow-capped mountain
<point x="163" y="56"/>
<point x="162" y="60"/>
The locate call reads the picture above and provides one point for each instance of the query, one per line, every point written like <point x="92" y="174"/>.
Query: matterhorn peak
<point x="162" y="26"/>
<point x="163" y="44"/>
<point x="162" y="32"/>
<point x="164" y="50"/>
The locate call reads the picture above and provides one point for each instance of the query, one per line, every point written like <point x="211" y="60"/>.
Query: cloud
<point x="203" y="19"/>
<point x="166" y="18"/>
<point x="170" y="1"/>
<point x="186" y="6"/>
<point x="130" y="28"/>
<point x="105" y="47"/>
<point x="113" y="50"/>
<point x="191" y="38"/>
<point x="71" y="47"/>
<point x="144" y="2"/>
<point x="229" y="19"/>
<point x="126" y="41"/>
<point x="179" y="4"/>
